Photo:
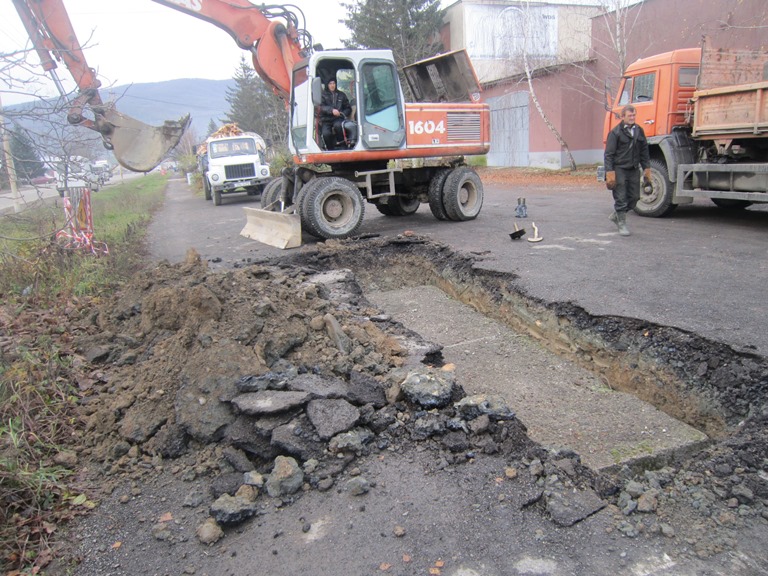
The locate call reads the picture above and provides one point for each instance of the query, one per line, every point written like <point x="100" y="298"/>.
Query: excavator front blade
<point x="278" y="229"/>
<point x="139" y="146"/>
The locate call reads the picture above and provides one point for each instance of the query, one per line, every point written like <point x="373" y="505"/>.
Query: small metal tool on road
<point x="535" y="237"/>
<point x="517" y="234"/>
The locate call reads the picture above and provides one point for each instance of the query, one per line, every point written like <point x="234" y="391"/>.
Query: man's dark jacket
<point x="336" y="99"/>
<point x="625" y="151"/>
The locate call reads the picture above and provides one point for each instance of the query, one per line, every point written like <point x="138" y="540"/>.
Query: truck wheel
<point x="217" y="197"/>
<point x="463" y="194"/>
<point x="728" y="204"/>
<point x="436" y="194"/>
<point x="659" y="202"/>
<point x="206" y="188"/>
<point x="399" y="206"/>
<point x="334" y="207"/>
<point x="270" y="198"/>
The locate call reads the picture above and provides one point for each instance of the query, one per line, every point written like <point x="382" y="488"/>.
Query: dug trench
<point x="280" y="384"/>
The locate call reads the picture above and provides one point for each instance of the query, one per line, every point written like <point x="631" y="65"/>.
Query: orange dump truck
<point x="705" y="113"/>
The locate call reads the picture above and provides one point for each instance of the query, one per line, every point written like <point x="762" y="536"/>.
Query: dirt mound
<point x="274" y="378"/>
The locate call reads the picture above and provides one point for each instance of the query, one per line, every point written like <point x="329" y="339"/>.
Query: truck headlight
<point x="265" y="171"/>
<point x="215" y="177"/>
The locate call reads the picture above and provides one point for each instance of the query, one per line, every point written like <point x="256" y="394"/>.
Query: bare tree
<point x="610" y="48"/>
<point x="185" y="152"/>
<point x="532" y="51"/>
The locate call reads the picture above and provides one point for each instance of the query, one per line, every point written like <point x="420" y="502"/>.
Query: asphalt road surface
<point x="703" y="269"/>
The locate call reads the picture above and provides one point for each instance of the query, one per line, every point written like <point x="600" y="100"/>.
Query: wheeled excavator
<point x="392" y="154"/>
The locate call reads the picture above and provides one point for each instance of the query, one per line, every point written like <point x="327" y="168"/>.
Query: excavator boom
<point x="270" y="32"/>
<point x="136" y="145"/>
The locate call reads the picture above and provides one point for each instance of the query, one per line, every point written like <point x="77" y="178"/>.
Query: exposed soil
<point x="179" y="448"/>
<point x="270" y="420"/>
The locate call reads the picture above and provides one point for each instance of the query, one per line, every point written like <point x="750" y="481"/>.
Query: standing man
<point x="626" y="152"/>
<point x="333" y="109"/>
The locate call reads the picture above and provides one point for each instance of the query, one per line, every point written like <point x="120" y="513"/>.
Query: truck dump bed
<point x="731" y="100"/>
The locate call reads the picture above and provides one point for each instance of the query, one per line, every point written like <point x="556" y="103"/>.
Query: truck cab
<point x="234" y="164"/>
<point x="660" y="88"/>
<point x="704" y="114"/>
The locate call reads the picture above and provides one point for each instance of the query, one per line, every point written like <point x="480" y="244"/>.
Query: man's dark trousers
<point x="627" y="191"/>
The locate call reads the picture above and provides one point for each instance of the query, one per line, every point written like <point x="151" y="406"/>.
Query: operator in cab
<point x="334" y="109"/>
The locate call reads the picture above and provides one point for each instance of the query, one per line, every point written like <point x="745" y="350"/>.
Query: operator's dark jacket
<point x="624" y="151"/>
<point x="331" y="100"/>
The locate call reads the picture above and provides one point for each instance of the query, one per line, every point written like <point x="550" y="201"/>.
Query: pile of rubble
<point x="278" y="378"/>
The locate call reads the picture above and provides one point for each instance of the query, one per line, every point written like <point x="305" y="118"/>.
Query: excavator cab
<point x="369" y="79"/>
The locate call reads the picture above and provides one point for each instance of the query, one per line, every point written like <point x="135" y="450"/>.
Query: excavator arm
<point x="136" y="145"/>
<point x="270" y="32"/>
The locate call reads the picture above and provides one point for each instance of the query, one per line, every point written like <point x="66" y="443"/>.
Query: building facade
<point x="571" y="53"/>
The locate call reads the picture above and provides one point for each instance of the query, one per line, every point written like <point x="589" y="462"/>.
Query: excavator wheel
<point x="463" y="194"/>
<point x="270" y="198"/>
<point x="303" y="206"/>
<point x="399" y="206"/>
<point x="334" y="208"/>
<point x="436" y="194"/>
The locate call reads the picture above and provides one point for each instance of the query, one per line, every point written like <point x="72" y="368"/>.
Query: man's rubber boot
<point x="612" y="218"/>
<point x="621" y="223"/>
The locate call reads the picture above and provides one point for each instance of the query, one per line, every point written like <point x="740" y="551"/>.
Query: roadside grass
<point x="45" y="290"/>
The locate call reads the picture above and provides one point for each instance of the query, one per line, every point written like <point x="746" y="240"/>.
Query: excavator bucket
<point x="279" y="229"/>
<point x="139" y="146"/>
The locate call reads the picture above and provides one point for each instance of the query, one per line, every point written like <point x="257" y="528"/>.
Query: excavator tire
<point x="334" y="208"/>
<point x="463" y="194"/>
<point x="303" y="206"/>
<point x="436" y="194"/>
<point x="399" y="206"/>
<point x="270" y="198"/>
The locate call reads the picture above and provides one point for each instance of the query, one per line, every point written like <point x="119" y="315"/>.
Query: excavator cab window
<point x="380" y="95"/>
<point x="300" y="99"/>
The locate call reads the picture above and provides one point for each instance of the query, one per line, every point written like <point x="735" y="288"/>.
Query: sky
<point x="136" y="41"/>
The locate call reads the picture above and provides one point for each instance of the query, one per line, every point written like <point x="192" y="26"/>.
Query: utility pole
<point x="8" y="161"/>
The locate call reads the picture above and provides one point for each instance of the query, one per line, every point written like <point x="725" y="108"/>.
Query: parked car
<point x="48" y="178"/>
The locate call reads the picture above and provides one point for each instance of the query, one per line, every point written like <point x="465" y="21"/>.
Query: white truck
<point x="234" y="163"/>
<point x="75" y="172"/>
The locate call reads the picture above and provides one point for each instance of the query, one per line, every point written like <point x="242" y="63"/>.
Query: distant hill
<point x="155" y="102"/>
